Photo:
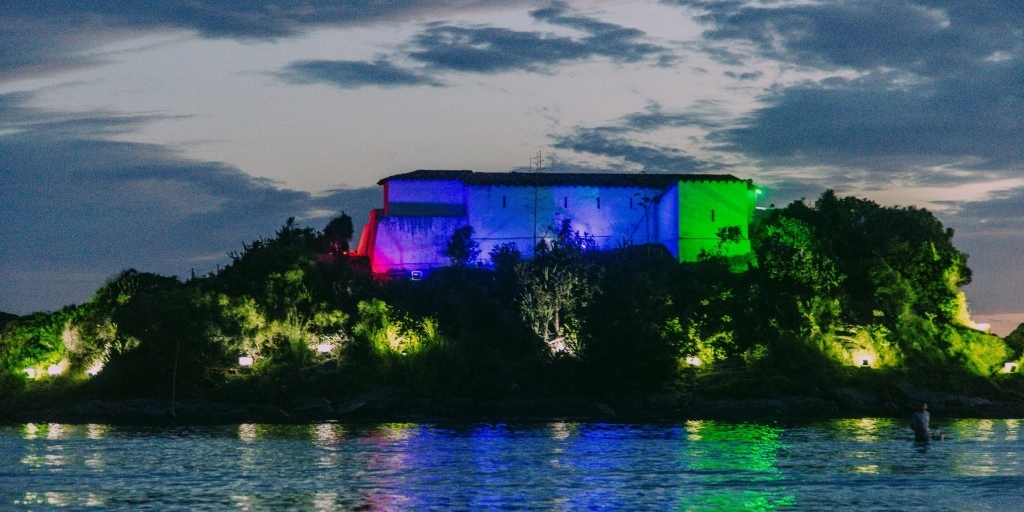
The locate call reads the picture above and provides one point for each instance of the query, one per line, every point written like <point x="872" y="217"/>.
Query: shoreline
<point x="394" y="405"/>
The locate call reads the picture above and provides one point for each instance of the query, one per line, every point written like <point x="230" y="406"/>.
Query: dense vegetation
<point x="834" y="284"/>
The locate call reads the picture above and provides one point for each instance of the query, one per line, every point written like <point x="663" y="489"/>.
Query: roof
<point x="556" y="178"/>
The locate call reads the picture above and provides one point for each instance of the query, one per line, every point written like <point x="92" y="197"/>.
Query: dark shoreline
<point x="394" y="405"/>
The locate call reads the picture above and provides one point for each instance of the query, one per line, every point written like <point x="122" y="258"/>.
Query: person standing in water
<point x="919" y="423"/>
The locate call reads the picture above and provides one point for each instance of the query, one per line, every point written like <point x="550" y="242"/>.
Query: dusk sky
<point x="161" y="135"/>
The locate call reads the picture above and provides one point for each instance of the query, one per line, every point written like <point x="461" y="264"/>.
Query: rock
<point x="851" y="399"/>
<point x="311" y="406"/>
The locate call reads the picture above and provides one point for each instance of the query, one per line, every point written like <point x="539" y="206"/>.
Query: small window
<point x="503" y="202"/>
<point x="599" y="203"/>
<point x="712" y="215"/>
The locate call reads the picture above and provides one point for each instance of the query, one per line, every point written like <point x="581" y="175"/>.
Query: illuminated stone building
<point x="683" y="212"/>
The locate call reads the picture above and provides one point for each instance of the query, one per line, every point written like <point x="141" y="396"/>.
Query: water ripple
<point x="859" y="464"/>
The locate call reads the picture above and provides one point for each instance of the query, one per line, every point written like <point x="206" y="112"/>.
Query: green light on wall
<point x="708" y="207"/>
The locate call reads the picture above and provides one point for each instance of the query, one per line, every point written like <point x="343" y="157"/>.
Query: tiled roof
<point x="556" y="178"/>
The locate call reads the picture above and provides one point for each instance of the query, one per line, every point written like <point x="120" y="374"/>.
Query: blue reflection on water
<point x="862" y="464"/>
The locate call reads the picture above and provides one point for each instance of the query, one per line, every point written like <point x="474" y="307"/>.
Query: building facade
<point x="683" y="212"/>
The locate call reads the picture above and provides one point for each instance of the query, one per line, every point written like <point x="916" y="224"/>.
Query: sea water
<point x="857" y="464"/>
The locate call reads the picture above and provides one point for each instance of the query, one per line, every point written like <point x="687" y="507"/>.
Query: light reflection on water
<point x="863" y="464"/>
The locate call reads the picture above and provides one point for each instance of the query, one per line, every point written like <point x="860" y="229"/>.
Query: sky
<point x="162" y="135"/>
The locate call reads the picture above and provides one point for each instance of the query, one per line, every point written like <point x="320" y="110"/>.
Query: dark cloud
<point x="443" y="47"/>
<point x="926" y="37"/>
<point x="750" y="75"/>
<point x="868" y="122"/>
<point x="650" y="158"/>
<point x="78" y="209"/>
<point x="495" y="49"/>
<point x="352" y="74"/>
<point x="942" y="82"/>
<point x="1002" y="213"/>
<point x="615" y="140"/>
<point x="241" y="19"/>
<point x="38" y="37"/>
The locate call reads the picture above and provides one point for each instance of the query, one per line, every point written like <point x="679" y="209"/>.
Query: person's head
<point x="924" y="406"/>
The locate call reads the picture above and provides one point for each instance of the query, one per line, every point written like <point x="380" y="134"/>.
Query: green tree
<point x="556" y="285"/>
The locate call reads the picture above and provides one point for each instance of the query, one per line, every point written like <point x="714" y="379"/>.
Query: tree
<point x="462" y="249"/>
<point x="337" y="234"/>
<point x="556" y="285"/>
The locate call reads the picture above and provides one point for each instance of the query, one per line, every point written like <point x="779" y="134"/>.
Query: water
<point x="861" y="464"/>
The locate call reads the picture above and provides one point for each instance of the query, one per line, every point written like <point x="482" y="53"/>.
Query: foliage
<point x="6" y="318"/>
<point x="337" y="235"/>
<point x="834" y="282"/>
<point x="462" y="249"/>
<point x="555" y="286"/>
<point x="505" y="256"/>
<point x="1015" y="340"/>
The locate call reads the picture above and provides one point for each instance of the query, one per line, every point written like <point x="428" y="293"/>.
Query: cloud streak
<point x="617" y="140"/>
<point x="41" y="37"/>
<point x="348" y="74"/>
<point x="443" y="48"/>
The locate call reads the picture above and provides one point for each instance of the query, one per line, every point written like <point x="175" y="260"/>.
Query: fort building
<point x="684" y="212"/>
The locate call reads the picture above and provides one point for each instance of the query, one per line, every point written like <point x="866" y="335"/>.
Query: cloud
<point x="444" y="47"/>
<point x="617" y="139"/>
<point x="40" y="37"/>
<point x="976" y="118"/>
<point x="917" y="85"/>
<point x="999" y="214"/>
<point x="925" y="37"/>
<point x="496" y="49"/>
<point x="750" y="75"/>
<point x="77" y="209"/>
<point x="352" y="74"/>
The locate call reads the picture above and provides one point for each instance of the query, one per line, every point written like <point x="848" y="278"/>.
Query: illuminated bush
<point x="982" y="353"/>
<point x="392" y="335"/>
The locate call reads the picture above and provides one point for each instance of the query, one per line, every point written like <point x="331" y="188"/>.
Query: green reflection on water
<point x="724" y="453"/>
<point x="734" y="447"/>
<point x="729" y="501"/>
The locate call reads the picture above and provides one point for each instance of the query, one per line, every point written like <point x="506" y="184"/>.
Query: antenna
<point x="537" y="162"/>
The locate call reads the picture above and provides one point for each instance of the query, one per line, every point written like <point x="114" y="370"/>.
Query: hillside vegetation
<point x="836" y="285"/>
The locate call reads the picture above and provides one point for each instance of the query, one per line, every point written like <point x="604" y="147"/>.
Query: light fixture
<point x="1009" y="367"/>
<point x="54" y="369"/>
<point x="693" y="360"/>
<point x="31" y="372"/>
<point x="324" y="348"/>
<point x="245" y="361"/>
<point x="863" y="359"/>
